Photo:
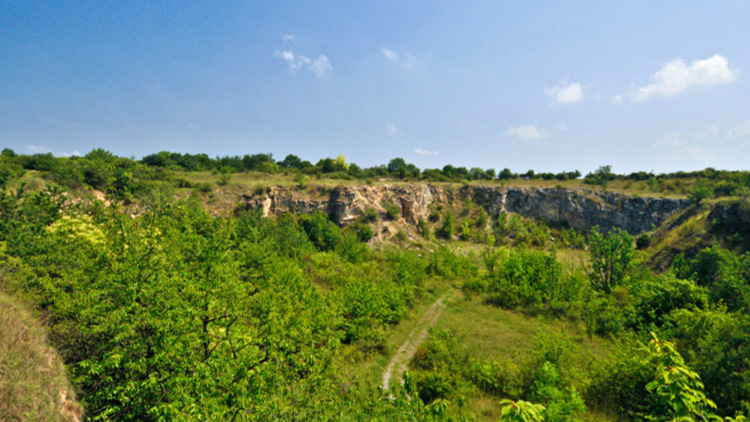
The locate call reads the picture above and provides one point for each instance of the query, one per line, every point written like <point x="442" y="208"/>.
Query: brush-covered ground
<point x="161" y="308"/>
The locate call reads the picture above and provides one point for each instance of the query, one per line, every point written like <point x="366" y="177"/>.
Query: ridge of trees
<point x="96" y="166"/>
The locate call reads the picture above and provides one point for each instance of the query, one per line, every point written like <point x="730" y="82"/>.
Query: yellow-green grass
<point x="692" y="234"/>
<point x="369" y="370"/>
<point x="494" y="333"/>
<point x="33" y="383"/>
<point x="676" y="188"/>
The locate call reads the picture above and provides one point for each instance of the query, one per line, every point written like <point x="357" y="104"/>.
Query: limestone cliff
<point x="579" y="208"/>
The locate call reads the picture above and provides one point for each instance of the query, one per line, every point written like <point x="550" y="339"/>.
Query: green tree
<point x="396" y="165"/>
<point x="603" y="175"/>
<point x="700" y="191"/>
<point x="611" y="259"/>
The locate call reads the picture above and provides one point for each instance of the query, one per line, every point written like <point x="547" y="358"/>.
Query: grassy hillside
<point x="34" y="385"/>
<point x="168" y="302"/>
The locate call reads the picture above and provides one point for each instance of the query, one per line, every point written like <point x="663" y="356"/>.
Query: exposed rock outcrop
<point x="582" y="209"/>
<point x="732" y="217"/>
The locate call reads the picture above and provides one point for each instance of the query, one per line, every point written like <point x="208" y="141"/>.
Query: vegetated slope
<point x="401" y="358"/>
<point x="168" y="312"/>
<point x="33" y="382"/>
<point x="723" y="223"/>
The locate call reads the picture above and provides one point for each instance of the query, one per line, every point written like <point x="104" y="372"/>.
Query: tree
<point x="603" y="175"/>
<point x="700" y="191"/>
<point x="506" y="174"/>
<point x="396" y="165"/>
<point x="291" y="161"/>
<point x="339" y="163"/>
<point x="611" y="259"/>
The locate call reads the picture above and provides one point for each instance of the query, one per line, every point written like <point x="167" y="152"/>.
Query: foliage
<point x="611" y="259"/>
<point x="424" y="229"/>
<point x="521" y="411"/>
<point x="448" y="227"/>
<point x="533" y="280"/>
<point x="700" y="191"/>
<point x="392" y="211"/>
<point x="678" y="389"/>
<point x="560" y="405"/>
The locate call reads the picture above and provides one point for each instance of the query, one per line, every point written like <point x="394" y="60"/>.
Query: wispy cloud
<point x="426" y="152"/>
<point x="320" y="66"/>
<point x="392" y="130"/>
<point x="675" y="144"/>
<point x="408" y="61"/>
<point x="565" y="93"/>
<point x="526" y="132"/>
<point x="288" y="38"/>
<point x="677" y="77"/>
<point x="390" y="55"/>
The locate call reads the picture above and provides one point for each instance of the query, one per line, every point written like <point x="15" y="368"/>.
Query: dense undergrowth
<point x="175" y="314"/>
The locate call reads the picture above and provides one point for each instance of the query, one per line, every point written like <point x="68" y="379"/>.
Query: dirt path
<point x="400" y="360"/>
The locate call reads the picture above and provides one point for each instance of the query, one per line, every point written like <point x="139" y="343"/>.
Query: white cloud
<point x="676" y="77"/>
<point x="37" y="149"/>
<point x="565" y="93"/>
<point x="426" y="152"/>
<point x="671" y="141"/>
<point x="674" y="144"/>
<point x="392" y="130"/>
<point x="408" y="61"/>
<point x="320" y="67"/>
<point x="288" y="38"/>
<point x="390" y="55"/>
<point x="526" y="132"/>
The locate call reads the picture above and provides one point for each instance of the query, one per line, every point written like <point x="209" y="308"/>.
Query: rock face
<point x="582" y="209"/>
<point x="733" y="217"/>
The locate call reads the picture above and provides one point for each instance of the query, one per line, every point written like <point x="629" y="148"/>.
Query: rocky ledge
<point x="580" y="208"/>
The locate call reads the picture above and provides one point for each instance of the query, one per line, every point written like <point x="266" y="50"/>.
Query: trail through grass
<point x="400" y="360"/>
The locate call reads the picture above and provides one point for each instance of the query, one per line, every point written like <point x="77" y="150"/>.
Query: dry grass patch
<point x="33" y="383"/>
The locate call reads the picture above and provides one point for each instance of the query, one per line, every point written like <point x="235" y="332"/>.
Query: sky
<point x="550" y="86"/>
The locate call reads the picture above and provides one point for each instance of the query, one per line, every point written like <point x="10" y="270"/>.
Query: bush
<point x="643" y="241"/>
<point x="449" y="226"/>
<point x="392" y="211"/>
<point x="364" y="232"/>
<point x="370" y="215"/>
<point x="424" y="229"/>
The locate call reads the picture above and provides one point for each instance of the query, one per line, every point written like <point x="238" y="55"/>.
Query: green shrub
<point x="448" y="227"/>
<point x="370" y="215"/>
<point x="424" y="229"/>
<point x="392" y="211"/>
<point x="364" y="232"/>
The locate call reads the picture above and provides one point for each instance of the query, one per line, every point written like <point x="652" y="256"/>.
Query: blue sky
<point x="549" y="86"/>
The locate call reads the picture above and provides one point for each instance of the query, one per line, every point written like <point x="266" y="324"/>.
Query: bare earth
<point x="400" y="360"/>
